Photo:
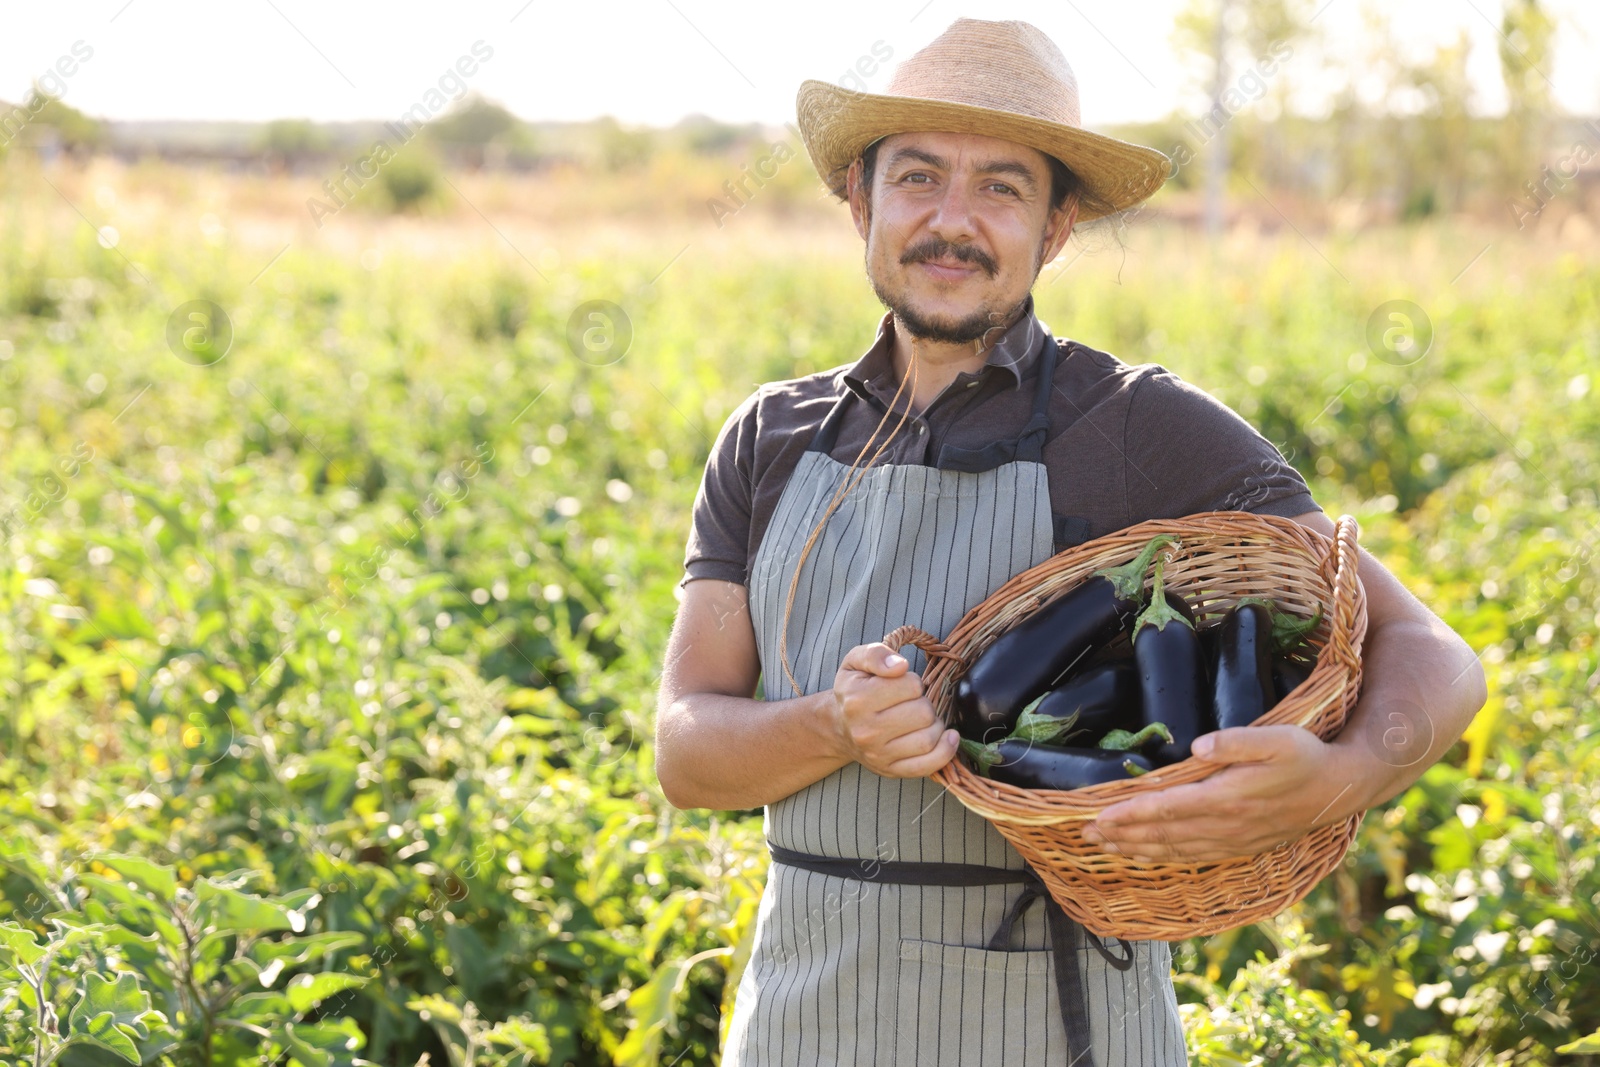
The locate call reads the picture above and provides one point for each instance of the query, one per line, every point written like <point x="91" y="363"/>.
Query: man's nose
<point x="952" y="216"/>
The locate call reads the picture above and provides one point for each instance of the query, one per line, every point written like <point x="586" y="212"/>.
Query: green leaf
<point x="338" y="1036"/>
<point x="664" y="917"/>
<point x="298" y="950"/>
<point x="117" y="891"/>
<point x="304" y="1053"/>
<point x="436" y="1007"/>
<point x="224" y="909"/>
<point x="522" y="1036"/>
<point x="18" y="944"/>
<point x="305" y="991"/>
<point x="160" y="882"/>
<point x="1584" y="1046"/>
<point x="654" y="1005"/>
<point x="112" y="1014"/>
<point x="118" y="620"/>
<point x="263" y="1008"/>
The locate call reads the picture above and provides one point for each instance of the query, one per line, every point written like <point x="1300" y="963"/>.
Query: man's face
<point x="957" y="230"/>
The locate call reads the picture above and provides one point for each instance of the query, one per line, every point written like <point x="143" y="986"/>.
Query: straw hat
<point x="999" y="79"/>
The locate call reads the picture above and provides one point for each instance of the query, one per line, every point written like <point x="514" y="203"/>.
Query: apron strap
<point x="1070" y="530"/>
<point x="1027" y="446"/>
<point x="828" y="432"/>
<point x="1063" y="930"/>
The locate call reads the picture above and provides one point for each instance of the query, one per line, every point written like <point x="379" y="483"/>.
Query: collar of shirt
<point x="1013" y="355"/>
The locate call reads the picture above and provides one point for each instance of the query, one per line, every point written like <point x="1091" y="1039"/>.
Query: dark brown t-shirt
<point x="1126" y="443"/>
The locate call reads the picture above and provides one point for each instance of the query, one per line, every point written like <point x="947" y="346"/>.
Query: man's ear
<point x="1062" y="219"/>
<point x="860" y="208"/>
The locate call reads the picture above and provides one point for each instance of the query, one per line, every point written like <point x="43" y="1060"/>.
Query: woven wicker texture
<point x="1223" y="557"/>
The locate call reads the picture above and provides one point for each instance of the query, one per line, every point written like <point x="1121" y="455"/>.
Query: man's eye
<point x="918" y="174"/>
<point x="1003" y="187"/>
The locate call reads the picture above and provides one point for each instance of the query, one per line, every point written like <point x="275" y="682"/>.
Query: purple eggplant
<point x="1289" y="673"/>
<point x="1103" y="698"/>
<point x="1241" y="689"/>
<point x="1033" y="765"/>
<point x="1172" y="674"/>
<point x="1023" y="662"/>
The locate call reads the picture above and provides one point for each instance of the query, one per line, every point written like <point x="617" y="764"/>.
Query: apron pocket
<point x="975" y="1007"/>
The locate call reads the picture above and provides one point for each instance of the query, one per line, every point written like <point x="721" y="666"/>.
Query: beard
<point x="965" y="330"/>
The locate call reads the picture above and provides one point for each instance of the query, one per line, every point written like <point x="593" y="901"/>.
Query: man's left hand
<point x="1277" y="783"/>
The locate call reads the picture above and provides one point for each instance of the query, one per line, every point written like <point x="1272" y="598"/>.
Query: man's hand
<point x="883" y="721"/>
<point x="1421" y="685"/>
<point x="1279" y="782"/>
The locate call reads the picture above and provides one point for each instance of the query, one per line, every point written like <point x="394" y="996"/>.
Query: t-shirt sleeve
<point x="1186" y="451"/>
<point x="719" y="530"/>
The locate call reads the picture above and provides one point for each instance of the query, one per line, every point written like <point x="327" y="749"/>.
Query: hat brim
<point x="837" y="123"/>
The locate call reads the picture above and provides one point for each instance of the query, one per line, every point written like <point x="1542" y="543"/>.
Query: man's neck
<point x="938" y="363"/>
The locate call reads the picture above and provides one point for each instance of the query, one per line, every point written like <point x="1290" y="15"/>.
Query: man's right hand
<point x="883" y="720"/>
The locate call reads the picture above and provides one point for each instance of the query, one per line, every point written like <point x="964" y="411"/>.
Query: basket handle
<point x="903" y="635"/>
<point x="1347" y="560"/>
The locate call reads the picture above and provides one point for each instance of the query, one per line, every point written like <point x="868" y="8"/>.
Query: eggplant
<point x="1038" y="766"/>
<point x="1289" y="673"/>
<point x="1102" y="698"/>
<point x="1023" y="662"/>
<point x="1208" y="651"/>
<point x="1172" y="674"/>
<point x="1241" y="690"/>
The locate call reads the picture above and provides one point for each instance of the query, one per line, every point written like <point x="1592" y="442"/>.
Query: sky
<point x="646" y="62"/>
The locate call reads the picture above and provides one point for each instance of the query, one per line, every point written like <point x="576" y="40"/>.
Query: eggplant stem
<point x="984" y="756"/>
<point x="1127" y="740"/>
<point x="1032" y="726"/>
<point x="1127" y="581"/>
<point x="1290" y="631"/>
<point x="1159" y="613"/>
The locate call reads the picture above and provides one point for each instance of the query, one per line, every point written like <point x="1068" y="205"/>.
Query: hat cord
<point x="840" y="493"/>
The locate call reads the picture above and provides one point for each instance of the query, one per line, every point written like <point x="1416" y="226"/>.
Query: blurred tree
<point x="622" y="148"/>
<point x="1526" y="33"/>
<point x="1237" y="52"/>
<point x="287" y="142"/>
<point x="481" y="131"/>
<point x="75" y="132"/>
<point x="1443" y="147"/>
<point x="705" y="136"/>
<point x="473" y="120"/>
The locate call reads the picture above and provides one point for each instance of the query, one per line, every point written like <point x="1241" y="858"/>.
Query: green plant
<point x="1263" y="1016"/>
<point x="470" y="1042"/>
<point x="233" y="972"/>
<point x="113" y="1015"/>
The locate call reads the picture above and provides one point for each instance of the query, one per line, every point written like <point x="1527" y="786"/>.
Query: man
<point x="896" y="926"/>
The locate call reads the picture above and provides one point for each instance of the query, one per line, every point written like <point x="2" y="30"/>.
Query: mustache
<point x="942" y="249"/>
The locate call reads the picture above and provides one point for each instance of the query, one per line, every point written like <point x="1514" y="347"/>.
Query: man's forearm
<point x="731" y="753"/>
<point x="1421" y="687"/>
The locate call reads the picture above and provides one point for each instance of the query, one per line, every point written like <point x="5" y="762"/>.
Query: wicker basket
<point x="1224" y="556"/>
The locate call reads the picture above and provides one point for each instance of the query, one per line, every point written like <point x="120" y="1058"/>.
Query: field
<point x="331" y="648"/>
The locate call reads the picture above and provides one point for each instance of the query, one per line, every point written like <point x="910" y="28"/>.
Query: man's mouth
<point x="949" y="269"/>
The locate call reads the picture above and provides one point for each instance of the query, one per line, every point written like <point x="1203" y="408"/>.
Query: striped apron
<point x="895" y="928"/>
